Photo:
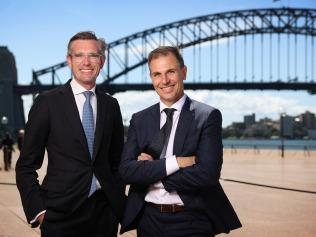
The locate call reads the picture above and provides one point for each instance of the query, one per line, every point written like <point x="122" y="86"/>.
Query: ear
<point x="69" y="61"/>
<point x="102" y="61"/>
<point x="184" y="72"/>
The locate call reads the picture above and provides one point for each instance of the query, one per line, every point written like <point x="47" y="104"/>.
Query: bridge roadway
<point x="264" y="211"/>
<point x="116" y="87"/>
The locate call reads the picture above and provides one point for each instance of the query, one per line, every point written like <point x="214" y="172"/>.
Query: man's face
<point x="85" y="62"/>
<point x="167" y="78"/>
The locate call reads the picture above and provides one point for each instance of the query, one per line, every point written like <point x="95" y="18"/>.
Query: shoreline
<point x="270" y="144"/>
<point x="257" y="152"/>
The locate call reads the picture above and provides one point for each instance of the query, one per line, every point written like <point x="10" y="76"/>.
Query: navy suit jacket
<point x="54" y="124"/>
<point x="198" y="133"/>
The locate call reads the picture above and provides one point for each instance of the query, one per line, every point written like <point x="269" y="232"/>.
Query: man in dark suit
<point x="175" y="192"/>
<point x="81" y="129"/>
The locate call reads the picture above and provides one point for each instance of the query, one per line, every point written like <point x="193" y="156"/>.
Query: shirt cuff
<point x="158" y="185"/>
<point x="171" y="165"/>
<point x="35" y="219"/>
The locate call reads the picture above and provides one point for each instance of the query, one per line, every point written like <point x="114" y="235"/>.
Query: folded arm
<point x="206" y="172"/>
<point x="182" y="161"/>
<point x="143" y="171"/>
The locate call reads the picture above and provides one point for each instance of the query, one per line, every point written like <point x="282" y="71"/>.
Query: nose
<point x="165" y="79"/>
<point x="86" y="60"/>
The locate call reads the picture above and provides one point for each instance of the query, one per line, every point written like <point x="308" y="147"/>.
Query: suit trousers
<point x="94" y="218"/>
<point x="186" y="223"/>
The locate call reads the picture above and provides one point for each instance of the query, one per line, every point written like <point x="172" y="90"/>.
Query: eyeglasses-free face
<point x="167" y="77"/>
<point x="85" y="62"/>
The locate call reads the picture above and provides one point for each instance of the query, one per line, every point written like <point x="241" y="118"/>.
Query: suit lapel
<point x="101" y="120"/>
<point x="184" y="124"/>
<point x="154" y="122"/>
<point x="72" y="114"/>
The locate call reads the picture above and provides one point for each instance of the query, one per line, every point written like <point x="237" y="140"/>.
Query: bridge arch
<point x="192" y="31"/>
<point x="129" y="53"/>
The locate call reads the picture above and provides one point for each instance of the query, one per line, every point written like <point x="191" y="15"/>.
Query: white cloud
<point x="233" y="104"/>
<point x="134" y="101"/>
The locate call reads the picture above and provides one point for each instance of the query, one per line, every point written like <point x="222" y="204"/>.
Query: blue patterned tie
<point x="88" y="127"/>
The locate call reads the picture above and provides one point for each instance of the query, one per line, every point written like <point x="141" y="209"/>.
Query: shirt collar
<point x="178" y="105"/>
<point x="78" y="89"/>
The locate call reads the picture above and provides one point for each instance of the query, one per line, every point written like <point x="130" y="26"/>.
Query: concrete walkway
<point x="273" y="197"/>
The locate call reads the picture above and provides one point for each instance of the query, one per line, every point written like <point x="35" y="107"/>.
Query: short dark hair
<point x="165" y="50"/>
<point x="88" y="35"/>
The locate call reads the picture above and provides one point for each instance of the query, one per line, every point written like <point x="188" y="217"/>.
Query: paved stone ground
<point x="264" y="210"/>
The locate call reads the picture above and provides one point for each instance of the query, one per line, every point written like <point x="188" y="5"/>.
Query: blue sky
<point x="37" y="33"/>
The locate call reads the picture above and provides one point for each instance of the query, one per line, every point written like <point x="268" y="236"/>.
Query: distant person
<point x="81" y="128"/>
<point x="233" y="148"/>
<point x="20" y="139"/>
<point x="7" y="148"/>
<point x="256" y="149"/>
<point x="306" y="151"/>
<point x="174" y="173"/>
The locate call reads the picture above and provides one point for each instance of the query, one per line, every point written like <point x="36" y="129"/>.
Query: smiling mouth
<point x="166" y="87"/>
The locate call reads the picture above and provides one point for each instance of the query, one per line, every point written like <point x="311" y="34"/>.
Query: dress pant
<point x="94" y="218"/>
<point x="186" y="223"/>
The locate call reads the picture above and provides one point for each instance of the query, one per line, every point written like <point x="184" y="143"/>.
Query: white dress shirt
<point x="157" y="194"/>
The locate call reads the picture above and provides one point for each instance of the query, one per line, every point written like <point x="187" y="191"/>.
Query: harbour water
<point x="269" y="144"/>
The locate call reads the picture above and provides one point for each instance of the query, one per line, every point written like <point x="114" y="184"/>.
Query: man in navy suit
<point x="81" y="128"/>
<point x="177" y="193"/>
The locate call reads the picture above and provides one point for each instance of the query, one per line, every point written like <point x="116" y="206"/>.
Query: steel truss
<point x="129" y="53"/>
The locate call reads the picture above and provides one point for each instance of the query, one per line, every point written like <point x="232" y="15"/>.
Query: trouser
<point x="6" y="159"/>
<point x="94" y="218"/>
<point x="10" y="159"/>
<point x="186" y="223"/>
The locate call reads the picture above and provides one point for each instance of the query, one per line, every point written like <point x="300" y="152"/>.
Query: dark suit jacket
<point x="54" y="123"/>
<point x="198" y="133"/>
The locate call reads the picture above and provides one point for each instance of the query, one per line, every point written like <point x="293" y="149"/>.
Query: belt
<point x="167" y="208"/>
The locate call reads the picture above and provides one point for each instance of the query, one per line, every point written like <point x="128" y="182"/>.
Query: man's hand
<point x="186" y="161"/>
<point x="144" y="156"/>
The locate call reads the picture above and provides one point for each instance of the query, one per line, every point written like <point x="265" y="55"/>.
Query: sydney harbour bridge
<point x="256" y="49"/>
<point x="250" y="49"/>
